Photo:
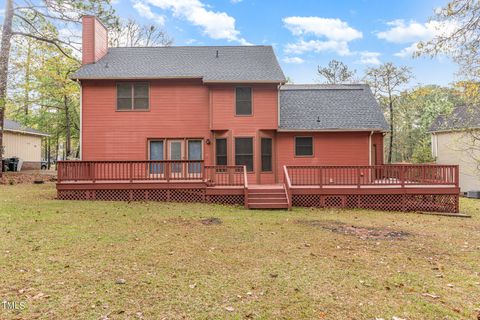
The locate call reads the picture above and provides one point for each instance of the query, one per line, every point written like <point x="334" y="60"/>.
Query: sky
<point x="307" y="33"/>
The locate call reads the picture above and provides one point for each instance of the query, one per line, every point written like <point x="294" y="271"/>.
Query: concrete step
<point x="267" y="200"/>
<point x="268" y="206"/>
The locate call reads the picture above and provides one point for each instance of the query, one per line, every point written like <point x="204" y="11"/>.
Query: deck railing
<point x="381" y="175"/>
<point x="224" y="175"/>
<point x="288" y="186"/>
<point x="164" y="171"/>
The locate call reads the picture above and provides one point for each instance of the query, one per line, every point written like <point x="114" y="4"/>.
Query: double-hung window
<point x="132" y="96"/>
<point x="244" y="153"/>
<point x="243" y="101"/>
<point x="303" y="146"/>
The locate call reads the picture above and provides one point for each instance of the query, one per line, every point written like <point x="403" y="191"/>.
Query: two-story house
<point x="220" y="124"/>
<point x="226" y="105"/>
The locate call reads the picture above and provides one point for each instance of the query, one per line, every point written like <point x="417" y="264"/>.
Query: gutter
<point x="27" y="132"/>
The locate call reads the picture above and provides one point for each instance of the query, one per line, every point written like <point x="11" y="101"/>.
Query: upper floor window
<point x="303" y="146"/>
<point x="132" y="96"/>
<point x="243" y="101"/>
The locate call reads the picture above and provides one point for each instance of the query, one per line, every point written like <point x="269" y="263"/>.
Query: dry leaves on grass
<point x="360" y="232"/>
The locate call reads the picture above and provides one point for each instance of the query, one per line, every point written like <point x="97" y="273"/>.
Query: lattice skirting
<point x="176" y="195"/>
<point x="388" y="202"/>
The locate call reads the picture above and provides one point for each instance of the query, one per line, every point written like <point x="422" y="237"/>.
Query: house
<point x="226" y="105"/>
<point x="455" y="140"/>
<point x="23" y="143"/>
<point x="220" y="124"/>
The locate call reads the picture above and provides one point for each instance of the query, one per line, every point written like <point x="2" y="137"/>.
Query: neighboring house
<point x="221" y="104"/>
<point x="453" y="142"/>
<point x="24" y="143"/>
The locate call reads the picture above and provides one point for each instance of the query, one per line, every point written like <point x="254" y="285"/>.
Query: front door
<point x="175" y="152"/>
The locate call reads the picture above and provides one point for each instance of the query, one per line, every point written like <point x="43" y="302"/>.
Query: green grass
<point x="63" y="258"/>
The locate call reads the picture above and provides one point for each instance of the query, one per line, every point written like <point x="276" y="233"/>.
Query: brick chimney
<point x="94" y="40"/>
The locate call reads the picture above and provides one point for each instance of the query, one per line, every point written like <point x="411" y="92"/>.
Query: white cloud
<point x="412" y="32"/>
<point x="294" y="60"/>
<point x="334" y="35"/>
<point x="302" y="46"/>
<point x="332" y="29"/>
<point x="368" y="57"/>
<point x="145" y="11"/>
<point x="216" y="25"/>
<point x="235" y="1"/>
<point x="402" y="32"/>
<point x="408" y="51"/>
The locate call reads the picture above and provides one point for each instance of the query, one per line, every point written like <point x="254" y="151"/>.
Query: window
<point x="303" y="146"/>
<point x="244" y="152"/>
<point x="221" y="151"/>
<point x="132" y="96"/>
<point x="243" y="101"/>
<point x="266" y="154"/>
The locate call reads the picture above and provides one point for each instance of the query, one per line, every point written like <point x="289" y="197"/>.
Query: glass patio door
<point x="194" y="153"/>
<point x="156" y="153"/>
<point x="176" y="153"/>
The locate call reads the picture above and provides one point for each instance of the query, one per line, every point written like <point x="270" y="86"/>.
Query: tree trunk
<point x="4" y="56"/>
<point x="68" y="128"/>
<point x="26" y="103"/>
<point x="390" y="149"/>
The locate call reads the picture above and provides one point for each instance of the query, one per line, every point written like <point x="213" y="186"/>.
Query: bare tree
<point x="387" y="81"/>
<point x="462" y="20"/>
<point x="40" y="20"/>
<point x="131" y="34"/>
<point x="336" y="72"/>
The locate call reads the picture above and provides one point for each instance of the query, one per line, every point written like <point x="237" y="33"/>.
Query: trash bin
<point x="13" y="164"/>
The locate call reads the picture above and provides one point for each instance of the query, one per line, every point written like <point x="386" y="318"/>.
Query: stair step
<point x="266" y="195"/>
<point x="268" y="206"/>
<point x="260" y="191"/>
<point x="267" y="200"/>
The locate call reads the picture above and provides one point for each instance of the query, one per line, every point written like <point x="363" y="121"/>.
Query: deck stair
<point x="267" y="197"/>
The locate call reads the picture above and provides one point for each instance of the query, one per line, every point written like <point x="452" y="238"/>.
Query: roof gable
<point x="330" y="107"/>
<point x="15" y="126"/>
<point x="211" y="63"/>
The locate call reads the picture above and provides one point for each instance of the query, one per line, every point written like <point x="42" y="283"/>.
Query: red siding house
<point x="221" y="124"/>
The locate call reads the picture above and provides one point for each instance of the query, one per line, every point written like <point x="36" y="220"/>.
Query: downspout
<point x="81" y="121"/>
<point x="370" y="148"/>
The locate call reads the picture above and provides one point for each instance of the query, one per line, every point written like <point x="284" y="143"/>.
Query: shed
<point x="24" y="143"/>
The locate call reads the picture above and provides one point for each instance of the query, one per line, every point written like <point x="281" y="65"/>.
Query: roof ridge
<point x="224" y="46"/>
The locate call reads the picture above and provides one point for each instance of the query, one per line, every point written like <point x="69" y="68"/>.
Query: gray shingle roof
<point x="330" y="107"/>
<point x="233" y="64"/>
<point x="462" y="117"/>
<point x="11" y="125"/>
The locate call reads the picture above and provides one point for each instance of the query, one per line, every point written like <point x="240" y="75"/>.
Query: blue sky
<point x="307" y="33"/>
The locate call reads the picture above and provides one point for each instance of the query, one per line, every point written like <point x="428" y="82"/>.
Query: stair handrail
<point x="288" y="187"/>
<point x="245" y="186"/>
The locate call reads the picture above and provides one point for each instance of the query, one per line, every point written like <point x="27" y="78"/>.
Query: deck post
<point x="402" y="176"/>
<point x="457" y="177"/>
<point x="358" y="177"/>
<point x="131" y="171"/>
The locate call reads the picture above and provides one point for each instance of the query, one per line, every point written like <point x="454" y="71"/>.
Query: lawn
<point x="117" y="260"/>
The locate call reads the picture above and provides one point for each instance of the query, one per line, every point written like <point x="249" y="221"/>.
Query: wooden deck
<point x="387" y="187"/>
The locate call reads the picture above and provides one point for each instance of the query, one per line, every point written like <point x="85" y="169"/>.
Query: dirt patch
<point x="360" y="232"/>
<point x="211" y="221"/>
<point x="28" y="177"/>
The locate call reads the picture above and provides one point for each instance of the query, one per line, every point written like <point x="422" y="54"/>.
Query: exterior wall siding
<point x="24" y="146"/>
<point x="329" y="148"/>
<point x="190" y="109"/>
<point x="178" y="109"/>
<point x="453" y="148"/>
